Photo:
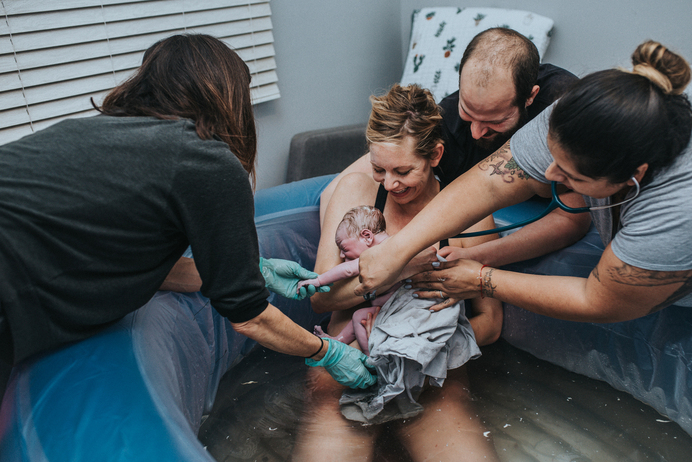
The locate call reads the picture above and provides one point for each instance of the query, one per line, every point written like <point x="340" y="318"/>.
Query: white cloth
<point x="409" y="342"/>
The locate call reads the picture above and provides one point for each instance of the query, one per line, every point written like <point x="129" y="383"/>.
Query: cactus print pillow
<point x="439" y="37"/>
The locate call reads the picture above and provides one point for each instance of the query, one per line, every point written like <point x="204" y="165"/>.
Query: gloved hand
<point x="282" y="277"/>
<point x="346" y="364"/>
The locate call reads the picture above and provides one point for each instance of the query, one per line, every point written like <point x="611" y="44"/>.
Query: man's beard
<point x="496" y="142"/>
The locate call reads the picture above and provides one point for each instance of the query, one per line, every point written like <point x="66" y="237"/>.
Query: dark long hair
<point x="613" y="121"/>
<point x="196" y="77"/>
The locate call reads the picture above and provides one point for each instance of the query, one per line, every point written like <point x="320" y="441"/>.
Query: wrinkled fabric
<point x="409" y="342"/>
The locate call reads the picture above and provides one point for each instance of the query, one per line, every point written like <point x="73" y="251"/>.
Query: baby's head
<point x="361" y="228"/>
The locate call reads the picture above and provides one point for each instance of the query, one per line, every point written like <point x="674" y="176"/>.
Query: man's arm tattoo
<point x="502" y="163"/>
<point x="596" y="274"/>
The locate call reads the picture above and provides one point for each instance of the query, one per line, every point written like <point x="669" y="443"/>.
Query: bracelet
<point x="480" y="280"/>
<point x="318" y="351"/>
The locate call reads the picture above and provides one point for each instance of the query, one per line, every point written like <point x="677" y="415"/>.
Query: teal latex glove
<point x="282" y="277"/>
<point x="346" y="364"/>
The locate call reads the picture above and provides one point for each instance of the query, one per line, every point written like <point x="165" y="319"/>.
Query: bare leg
<point x="340" y="320"/>
<point x="324" y="434"/>
<point x="449" y="428"/>
<point x="347" y="334"/>
<point x="359" y="329"/>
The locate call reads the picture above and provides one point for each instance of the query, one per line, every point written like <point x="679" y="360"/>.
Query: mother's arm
<point x="362" y="165"/>
<point x="494" y="183"/>
<point x="352" y="190"/>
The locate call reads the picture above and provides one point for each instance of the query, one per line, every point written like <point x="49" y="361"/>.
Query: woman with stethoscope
<point x="619" y="138"/>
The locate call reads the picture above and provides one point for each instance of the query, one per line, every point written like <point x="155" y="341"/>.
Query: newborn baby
<point x="361" y="228"/>
<point x="409" y="342"/>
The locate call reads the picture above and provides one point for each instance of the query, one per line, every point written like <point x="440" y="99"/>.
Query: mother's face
<point x="404" y="174"/>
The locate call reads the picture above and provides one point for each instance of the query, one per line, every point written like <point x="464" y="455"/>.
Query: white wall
<point x="591" y="35"/>
<point x="332" y="55"/>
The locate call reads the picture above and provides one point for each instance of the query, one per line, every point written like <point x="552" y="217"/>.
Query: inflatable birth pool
<point x="138" y="390"/>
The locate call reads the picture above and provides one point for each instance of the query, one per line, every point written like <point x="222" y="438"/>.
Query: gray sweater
<point x="94" y="212"/>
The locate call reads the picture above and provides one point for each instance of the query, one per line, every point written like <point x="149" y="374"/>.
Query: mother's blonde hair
<point x="405" y="111"/>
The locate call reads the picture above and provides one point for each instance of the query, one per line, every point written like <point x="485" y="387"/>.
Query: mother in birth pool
<point x="405" y="142"/>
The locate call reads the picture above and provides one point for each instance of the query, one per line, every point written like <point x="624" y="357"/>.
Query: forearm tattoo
<point x="502" y="163"/>
<point x="632" y="276"/>
<point x="596" y="274"/>
<point x="488" y="286"/>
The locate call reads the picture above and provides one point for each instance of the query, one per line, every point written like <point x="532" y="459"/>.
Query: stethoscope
<point x="555" y="202"/>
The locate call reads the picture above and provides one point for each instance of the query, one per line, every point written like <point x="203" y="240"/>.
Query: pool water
<point x="532" y="410"/>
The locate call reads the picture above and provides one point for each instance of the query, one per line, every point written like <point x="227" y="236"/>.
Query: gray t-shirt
<point x="655" y="228"/>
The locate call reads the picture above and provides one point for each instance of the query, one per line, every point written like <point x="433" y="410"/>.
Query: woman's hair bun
<point x="667" y="70"/>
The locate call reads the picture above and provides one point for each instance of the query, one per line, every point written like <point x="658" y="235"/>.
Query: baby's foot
<point x="320" y="333"/>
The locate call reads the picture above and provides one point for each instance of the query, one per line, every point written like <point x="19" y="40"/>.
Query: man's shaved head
<point x="504" y="49"/>
<point x="497" y="82"/>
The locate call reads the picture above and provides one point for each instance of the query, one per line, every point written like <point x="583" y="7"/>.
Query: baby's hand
<point x="451" y="253"/>
<point x="308" y="282"/>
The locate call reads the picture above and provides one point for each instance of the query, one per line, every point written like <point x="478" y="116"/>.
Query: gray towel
<point x="408" y="343"/>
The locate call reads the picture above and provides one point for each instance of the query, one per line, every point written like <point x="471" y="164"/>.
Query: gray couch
<point x="323" y="152"/>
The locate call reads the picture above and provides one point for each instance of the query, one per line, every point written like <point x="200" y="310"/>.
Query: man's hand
<point x="451" y="253"/>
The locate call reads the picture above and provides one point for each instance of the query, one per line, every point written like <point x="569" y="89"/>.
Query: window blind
<point x="55" y="55"/>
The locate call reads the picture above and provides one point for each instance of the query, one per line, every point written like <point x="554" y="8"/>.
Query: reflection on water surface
<point x="533" y="411"/>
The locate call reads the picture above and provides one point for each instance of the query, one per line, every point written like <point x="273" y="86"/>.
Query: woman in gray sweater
<point x="95" y="212"/>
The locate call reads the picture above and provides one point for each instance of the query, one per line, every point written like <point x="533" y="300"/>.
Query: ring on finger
<point x="441" y="279"/>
